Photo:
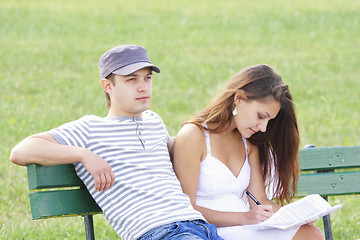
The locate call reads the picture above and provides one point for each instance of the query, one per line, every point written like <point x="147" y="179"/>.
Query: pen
<point x="253" y="198"/>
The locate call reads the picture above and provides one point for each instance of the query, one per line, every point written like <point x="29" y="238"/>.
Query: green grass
<point x="48" y="69"/>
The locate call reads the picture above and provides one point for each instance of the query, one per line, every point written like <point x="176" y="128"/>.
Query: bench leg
<point x="327" y="225"/>
<point x="89" y="227"/>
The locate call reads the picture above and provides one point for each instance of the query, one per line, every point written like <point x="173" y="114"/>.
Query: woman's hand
<point x="258" y="214"/>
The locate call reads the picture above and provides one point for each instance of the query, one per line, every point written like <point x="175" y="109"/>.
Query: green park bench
<point x="56" y="191"/>
<point x="329" y="171"/>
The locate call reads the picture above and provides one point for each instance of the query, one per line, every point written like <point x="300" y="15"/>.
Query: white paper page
<point x="303" y="211"/>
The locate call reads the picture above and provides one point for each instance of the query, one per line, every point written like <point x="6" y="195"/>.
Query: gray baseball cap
<point x="124" y="60"/>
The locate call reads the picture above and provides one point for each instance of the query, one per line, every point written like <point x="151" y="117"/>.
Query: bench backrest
<point x="57" y="191"/>
<point x="337" y="171"/>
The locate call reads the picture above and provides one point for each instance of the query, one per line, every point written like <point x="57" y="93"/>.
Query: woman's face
<point x="253" y="116"/>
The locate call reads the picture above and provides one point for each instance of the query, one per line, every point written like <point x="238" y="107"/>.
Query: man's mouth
<point x="144" y="98"/>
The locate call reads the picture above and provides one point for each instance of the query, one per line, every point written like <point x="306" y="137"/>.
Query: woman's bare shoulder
<point x="190" y="130"/>
<point x="190" y="136"/>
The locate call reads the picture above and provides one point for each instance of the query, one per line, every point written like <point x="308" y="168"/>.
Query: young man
<point x="123" y="158"/>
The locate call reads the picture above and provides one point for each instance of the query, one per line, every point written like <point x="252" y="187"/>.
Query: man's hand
<point x="43" y="149"/>
<point x="101" y="171"/>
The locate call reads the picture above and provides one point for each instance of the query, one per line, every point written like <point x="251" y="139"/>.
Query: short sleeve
<point x="75" y="133"/>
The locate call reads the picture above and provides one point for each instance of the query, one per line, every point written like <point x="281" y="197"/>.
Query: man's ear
<point x="106" y="84"/>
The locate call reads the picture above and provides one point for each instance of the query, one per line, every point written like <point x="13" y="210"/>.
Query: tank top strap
<point x="207" y="140"/>
<point x="246" y="146"/>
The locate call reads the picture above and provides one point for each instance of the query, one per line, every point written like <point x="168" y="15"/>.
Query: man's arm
<point x="171" y="147"/>
<point x="43" y="149"/>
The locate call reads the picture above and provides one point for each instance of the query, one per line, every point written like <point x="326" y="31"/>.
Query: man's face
<point x="130" y="95"/>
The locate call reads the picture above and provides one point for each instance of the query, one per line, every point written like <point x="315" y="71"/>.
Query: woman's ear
<point x="239" y="96"/>
<point x="106" y="84"/>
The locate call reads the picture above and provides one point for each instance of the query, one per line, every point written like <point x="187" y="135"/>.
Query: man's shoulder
<point x="87" y="120"/>
<point x="149" y="114"/>
<point x="91" y="118"/>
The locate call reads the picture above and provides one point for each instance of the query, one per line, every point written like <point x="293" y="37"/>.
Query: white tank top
<point x="219" y="189"/>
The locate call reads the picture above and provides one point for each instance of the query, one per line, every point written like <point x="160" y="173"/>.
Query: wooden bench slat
<point x="62" y="203"/>
<point x="333" y="183"/>
<point x="59" y="203"/>
<point x="52" y="176"/>
<point x="325" y="158"/>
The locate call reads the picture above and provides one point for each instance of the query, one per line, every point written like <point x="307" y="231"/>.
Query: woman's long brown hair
<point x="281" y="139"/>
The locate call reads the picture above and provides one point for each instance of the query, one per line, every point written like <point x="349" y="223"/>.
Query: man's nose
<point x="143" y="86"/>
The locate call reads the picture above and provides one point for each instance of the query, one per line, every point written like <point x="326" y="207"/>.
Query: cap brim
<point x="135" y="67"/>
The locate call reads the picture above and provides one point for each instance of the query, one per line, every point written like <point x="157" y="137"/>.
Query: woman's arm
<point x="189" y="151"/>
<point x="43" y="149"/>
<point x="257" y="186"/>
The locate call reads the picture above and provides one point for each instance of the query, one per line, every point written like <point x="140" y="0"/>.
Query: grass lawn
<point x="48" y="67"/>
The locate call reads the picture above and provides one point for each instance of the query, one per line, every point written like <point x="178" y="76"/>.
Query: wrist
<point x="242" y="218"/>
<point x="82" y="155"/>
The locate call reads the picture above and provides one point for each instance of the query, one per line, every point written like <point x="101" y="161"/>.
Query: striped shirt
<point x="146" y="193"/>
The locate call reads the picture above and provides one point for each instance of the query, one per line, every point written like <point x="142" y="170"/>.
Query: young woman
<point x="247" y="134"/>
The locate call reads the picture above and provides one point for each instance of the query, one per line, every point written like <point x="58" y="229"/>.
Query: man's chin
<point x="142" y="109"/>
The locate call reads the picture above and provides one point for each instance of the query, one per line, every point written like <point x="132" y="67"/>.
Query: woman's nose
<point x="263" y="125"/>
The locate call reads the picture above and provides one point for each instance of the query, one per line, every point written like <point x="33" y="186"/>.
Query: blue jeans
<point x="185" y="230"/>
